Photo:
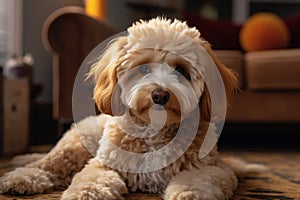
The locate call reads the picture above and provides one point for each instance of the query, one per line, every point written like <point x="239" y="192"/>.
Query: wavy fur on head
<point x="149" y="81"/>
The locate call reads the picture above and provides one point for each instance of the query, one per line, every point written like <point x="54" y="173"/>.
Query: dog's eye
<point x="144" y="69"/>
<point x="180" y="70"/>
<point x="183" y="72"/>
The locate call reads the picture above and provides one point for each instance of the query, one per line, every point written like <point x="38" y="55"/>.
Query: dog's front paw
<point x="25" y="181"/>
<point x="92" y="192"/>
<point x="192" y="195"/>
<point x="189" y="193"/>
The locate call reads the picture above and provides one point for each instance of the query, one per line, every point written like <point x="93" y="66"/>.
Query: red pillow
<point x="293" y="24"/>
<point x="221" y="34"/>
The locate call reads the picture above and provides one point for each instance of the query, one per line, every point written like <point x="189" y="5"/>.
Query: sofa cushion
<point x="273" y="69"/>
<point x="262" y="106"/>
<point x="233" y="60"/>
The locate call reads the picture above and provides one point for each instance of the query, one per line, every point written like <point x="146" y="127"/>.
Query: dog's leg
<point x="210" y="182"/>
<point x="21" y="160"/>
<point x="54" y="170"/>
<point x="96" y="181"/>
<point x="58" y="167"/>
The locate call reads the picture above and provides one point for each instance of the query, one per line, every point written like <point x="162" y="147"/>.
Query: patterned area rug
<point x="281" y="182"/>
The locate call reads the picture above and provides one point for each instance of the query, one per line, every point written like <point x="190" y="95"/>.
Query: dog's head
<point x="158" y="65"/>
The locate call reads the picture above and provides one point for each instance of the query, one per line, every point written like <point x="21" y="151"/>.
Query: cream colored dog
<point x="146" y="79"/>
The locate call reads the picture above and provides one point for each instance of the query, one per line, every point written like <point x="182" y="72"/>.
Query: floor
<point x="281" y="182"/>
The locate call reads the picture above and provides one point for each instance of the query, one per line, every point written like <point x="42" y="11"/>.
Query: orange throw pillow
<point x="263" y="31"/>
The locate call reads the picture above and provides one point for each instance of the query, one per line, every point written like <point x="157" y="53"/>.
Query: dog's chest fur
<point x="150" y="181"/>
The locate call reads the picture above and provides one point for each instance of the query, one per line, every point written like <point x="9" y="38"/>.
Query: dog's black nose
<point x="160" y="96"/>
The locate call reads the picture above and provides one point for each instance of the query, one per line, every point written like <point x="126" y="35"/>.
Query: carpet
<point x="281" y="182"/>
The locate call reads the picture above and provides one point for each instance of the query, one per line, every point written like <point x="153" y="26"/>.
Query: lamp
<point x="95" y="8"/>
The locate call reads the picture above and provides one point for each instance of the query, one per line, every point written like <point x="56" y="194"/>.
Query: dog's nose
<point x="160" y="96"/>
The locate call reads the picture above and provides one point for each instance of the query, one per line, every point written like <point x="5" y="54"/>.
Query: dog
<point x="149" y="84"/>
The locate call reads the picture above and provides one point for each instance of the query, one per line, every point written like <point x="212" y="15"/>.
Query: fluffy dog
<point x="147" y="84"/>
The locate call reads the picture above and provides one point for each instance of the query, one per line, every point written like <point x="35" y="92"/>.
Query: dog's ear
<point x="104" y="73"/>
<point x="230" y="83"/>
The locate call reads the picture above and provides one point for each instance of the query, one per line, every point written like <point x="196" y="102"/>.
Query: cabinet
<point x="16" y="115"/>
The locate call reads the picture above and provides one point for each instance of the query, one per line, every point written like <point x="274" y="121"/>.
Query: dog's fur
<point x="70" y="164"/>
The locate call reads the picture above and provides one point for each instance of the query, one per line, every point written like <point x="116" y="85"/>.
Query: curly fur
<point x="83" y="168"/>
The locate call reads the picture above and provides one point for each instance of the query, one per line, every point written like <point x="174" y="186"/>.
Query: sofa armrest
<point x="233" y="59"/>
<point x="273" y="69"/>
<point x="69" y="34"/>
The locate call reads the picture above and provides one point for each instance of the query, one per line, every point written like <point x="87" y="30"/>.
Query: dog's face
<point x="157" y="67"/>
<point x="160" y="81"/>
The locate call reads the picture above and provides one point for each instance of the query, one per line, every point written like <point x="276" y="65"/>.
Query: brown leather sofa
<point x="270" y="85"/>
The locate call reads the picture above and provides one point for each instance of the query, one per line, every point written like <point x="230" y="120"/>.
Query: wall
<point x="118" y="14"/>
<point x="121" y="15"/>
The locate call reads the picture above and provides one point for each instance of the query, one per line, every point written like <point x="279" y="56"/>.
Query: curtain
<point x="11" y="32"/>
<point x="4" y="4"/>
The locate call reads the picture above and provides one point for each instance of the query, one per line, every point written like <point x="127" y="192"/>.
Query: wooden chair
<point x="69" y="35"/>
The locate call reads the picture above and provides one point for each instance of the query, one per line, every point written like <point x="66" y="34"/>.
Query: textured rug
<point x="281" y="182"/>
